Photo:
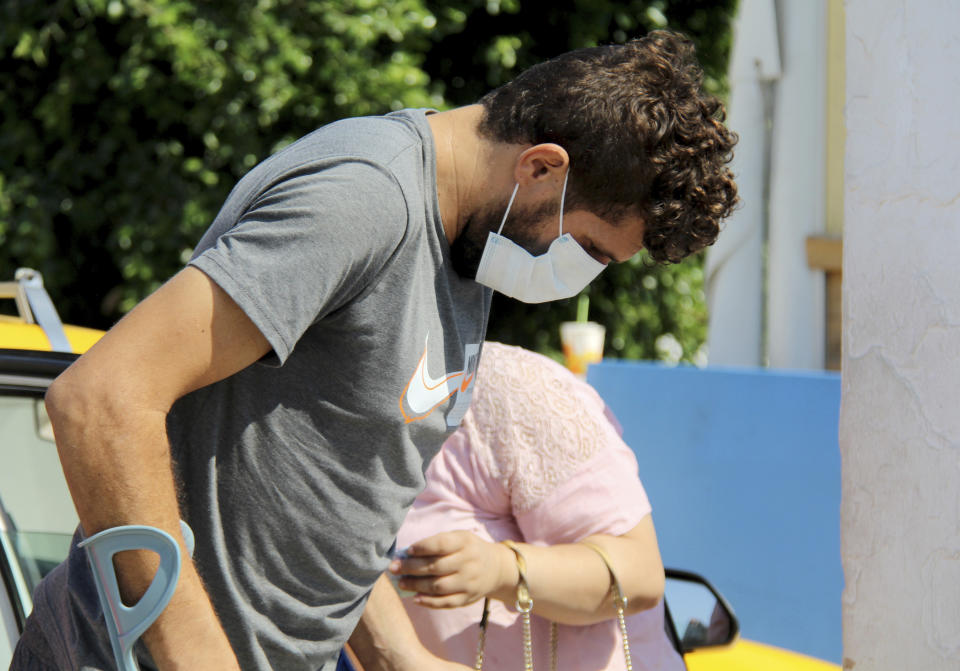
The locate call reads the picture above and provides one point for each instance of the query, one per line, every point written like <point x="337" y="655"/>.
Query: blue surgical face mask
<point x="560" y="272"/>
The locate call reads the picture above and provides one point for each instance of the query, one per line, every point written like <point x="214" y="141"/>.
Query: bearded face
<point x="523" y="226"/>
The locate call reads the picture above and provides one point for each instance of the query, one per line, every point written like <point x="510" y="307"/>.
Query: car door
<point x="37" y="517"/>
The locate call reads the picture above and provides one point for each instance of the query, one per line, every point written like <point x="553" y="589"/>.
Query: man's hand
<point x="456" y="568"/>
<point x="385" y="640"/>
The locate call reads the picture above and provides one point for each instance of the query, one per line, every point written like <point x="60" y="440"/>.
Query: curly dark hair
<point x="642" y="135"/>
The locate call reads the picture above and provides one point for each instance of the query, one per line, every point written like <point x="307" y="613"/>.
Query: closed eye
<point x="598" y="255"/>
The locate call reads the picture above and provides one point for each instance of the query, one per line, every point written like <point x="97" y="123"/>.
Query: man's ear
<point x="541" y="163"/>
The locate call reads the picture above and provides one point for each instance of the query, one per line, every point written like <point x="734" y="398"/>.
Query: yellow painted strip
<point x="836" y="123"/>
<point x="751" y="656"/>
<point x="14" y="334"/>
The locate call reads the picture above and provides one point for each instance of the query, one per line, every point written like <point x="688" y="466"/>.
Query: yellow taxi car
<point x="37" y="517"/>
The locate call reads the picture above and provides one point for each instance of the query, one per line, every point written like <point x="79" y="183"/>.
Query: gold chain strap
<point x="524" y="605"/>
<point x="483" y="635"/>
<point x="554" y="635"/>
<point x="619" y="600"/>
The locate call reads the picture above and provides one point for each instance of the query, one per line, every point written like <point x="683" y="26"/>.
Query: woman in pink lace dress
<point x="538" y="460"/>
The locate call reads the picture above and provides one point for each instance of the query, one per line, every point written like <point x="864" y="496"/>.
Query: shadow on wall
<point x="742" y="467"/>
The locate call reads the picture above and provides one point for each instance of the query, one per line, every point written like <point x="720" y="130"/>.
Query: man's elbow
<point x="63" y="403"/>
<point x="73" y="403"/>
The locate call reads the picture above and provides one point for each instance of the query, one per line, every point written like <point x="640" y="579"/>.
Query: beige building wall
<point x="900" y="419"/>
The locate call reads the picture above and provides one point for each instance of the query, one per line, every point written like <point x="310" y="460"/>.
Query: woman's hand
<point x="456" y="568"/>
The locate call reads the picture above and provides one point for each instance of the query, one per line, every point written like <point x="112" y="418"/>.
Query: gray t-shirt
<point x="297" y="471"/>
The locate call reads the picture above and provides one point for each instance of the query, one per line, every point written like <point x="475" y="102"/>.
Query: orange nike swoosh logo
<point x="424" y="393"/>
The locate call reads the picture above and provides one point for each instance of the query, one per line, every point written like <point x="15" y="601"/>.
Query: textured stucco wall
<point x="900" y="417"/>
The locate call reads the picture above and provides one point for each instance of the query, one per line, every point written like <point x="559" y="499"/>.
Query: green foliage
<point x="480" y="44"/>
<point x="124" y="124"/>
<point x="651" y="311"/>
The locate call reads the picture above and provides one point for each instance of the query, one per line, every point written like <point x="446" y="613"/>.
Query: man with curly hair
<point x="645" y="147"/>
<point x="283" y="392"/>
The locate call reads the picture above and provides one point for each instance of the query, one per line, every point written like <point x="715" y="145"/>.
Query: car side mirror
<point x="697" y="613"/>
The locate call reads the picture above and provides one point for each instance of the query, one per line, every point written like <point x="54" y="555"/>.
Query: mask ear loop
<point x="563" y="195"/>
<point x="509" y="205"/>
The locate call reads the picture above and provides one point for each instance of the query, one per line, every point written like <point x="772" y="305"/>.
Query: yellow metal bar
<point x="836" y="125"/>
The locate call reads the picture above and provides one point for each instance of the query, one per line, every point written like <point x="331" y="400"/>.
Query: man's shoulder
<point x="378" y="139"/>
<point x="376" y="155"/>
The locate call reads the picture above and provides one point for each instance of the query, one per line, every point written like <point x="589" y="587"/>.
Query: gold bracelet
<point x="524" y="601"/>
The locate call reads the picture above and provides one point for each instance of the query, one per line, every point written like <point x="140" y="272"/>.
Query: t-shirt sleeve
<point x="603" y="496"/>
<point x="308" y="242"/>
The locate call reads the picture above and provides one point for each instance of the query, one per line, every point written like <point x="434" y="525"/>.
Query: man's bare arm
<point x="385" y="639"/>
<point x="109" y="416"/>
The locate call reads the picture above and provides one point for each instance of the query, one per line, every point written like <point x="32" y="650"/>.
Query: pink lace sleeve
<point x="546" y="437"/>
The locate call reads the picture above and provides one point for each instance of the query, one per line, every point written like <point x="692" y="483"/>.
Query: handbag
<point x="524" y="605"/>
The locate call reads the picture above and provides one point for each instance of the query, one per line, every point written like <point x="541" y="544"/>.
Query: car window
<point x="38" y="517"/>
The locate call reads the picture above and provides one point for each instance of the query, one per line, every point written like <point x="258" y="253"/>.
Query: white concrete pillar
<point x="900" y="417"/>
<point x="734" y="265"/>
<point x="773" y="313"/>
<point x="796" y="316"/>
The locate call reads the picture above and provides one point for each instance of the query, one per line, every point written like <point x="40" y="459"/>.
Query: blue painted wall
<point x="742" y="467"/>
